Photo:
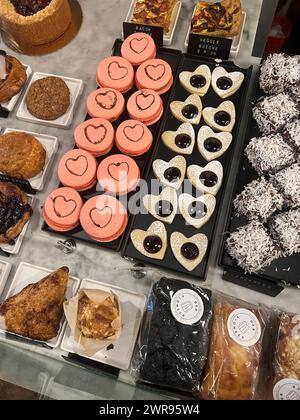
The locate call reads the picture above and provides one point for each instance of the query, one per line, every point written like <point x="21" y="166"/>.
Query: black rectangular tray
<point x="283" y="271"/>
<point x="143" y="221"/>
<point x="173" y="57"/>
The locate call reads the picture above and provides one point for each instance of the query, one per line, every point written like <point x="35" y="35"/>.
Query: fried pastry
<point x="12" y="77"/>
<point x="36" y="311"/>
<point x="21" y="155"/>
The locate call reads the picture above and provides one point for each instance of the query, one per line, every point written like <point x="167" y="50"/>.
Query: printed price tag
<point x="156" y="32"/>
<point x="209" y="46"/>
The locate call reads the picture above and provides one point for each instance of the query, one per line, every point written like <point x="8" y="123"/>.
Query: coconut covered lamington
<point x="285" y="228"/>
<point x="291" y="134"/>
<point x="287" y="182"/>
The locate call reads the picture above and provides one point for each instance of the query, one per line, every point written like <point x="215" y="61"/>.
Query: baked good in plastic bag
<point x="232" y="369"/>
<point x="173" y="345"/>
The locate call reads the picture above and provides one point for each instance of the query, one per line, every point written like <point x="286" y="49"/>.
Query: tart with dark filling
<point x="12" y="77"/>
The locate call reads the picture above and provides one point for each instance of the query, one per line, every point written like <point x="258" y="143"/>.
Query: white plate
<point x="168" y="38"/>
<point x="133" y="306"/>
<point x="50" y="144"/>
<point x="15" y="248"/>
<point x="28" y="274"/>
<point x="5" y="268"/>
<point x="9" y="106"/>
<point x="76" y="88"/>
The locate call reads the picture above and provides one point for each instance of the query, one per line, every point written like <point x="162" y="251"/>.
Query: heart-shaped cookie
<point x="163" y="206"/>
<point x="77" y="166"/>
<point x="116" y="71"/>
<point x="95" y="134"/>
<point x="212" y="145"/>
<point x="63" y="207"/>
<point x="134" y="133"/>
<point x="118" y="171"/>
<point x="208" y="179"/>
<point x="198" y="81"/>
<point x="153" y="242"/>
<point x="144" y="100"/>
<point x="221" y="118"/>
<point x="172" y="173"/>
<point x="188" y="111"/>
<point x="139" y="45"/>
<point x="107" y="100"/>
<point x="181" y="141"/>
<point x="189" y="252"/>
<point x="225" y="83"/>
<point x="101" y="217"/>
<point x="197" y="211"/>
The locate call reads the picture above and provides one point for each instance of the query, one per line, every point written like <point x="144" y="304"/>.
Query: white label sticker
<point x="287" y="390"/>
<point x="187" y="306"/>
<point x="244" y="327"/>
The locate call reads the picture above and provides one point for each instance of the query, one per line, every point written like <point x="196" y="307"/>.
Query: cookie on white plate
<point x="172" y="173"/>
<point x="212" y="145"/>
<point x="163" y="206"/>
<point x="226" y="83"/>
<point x="207" y="179"/>
<point x="189" y="252"/>
<point x="181" y="141"/>
<point x="151" y="242"/>
<point x="197" y="81"/>
<point x="221" y="118"/>
<point x="197" y="210"/>
<point x="189" y="110"/>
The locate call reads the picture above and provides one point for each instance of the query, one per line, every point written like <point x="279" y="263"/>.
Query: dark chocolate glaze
<point x="152" y="244"/>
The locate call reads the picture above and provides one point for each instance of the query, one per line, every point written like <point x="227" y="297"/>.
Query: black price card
<point x="156" y="32"/>
<point x="209" y="46"/>
<point x="3" y="112"/>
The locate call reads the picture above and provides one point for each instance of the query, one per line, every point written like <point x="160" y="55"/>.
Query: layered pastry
<point x="36" y="311"/>
<point x="291" y="134"/>
<point x="285" y="229"/>
<point x="15" y="211"/>
<point x="21" y="155"/>
<point x="12" y="77"/>
<point x="269" y="154"/>
<point x="258" y="200"/>
<point x="287" y="182"/>
<point x="157" y="13"/>
<point x="35" y="22"/>
<point x="221" y="19"/>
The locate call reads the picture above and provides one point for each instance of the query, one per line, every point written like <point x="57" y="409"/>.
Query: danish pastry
<point x="12" y="77"/>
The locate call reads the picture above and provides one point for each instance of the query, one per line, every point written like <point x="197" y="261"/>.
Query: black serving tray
<point x="143" y="221"/>
<point x="173" y="57"/>
<point x="283" y="271"/>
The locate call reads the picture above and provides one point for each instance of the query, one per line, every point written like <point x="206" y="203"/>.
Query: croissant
<point x="15" y="80"/>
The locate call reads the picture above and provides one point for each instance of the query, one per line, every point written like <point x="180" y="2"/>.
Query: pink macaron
<point x="77" y="169"/>
<point x="118" y="174"/>
<point x="137" y="48"/>
<point x="145" y="106"/>
<point x="105" y="103"/>
<point x="133" y="138"/>
<point x="154" y="74"/>
<point x="96" y="136"/>
<point x="103" y="218"/>
<point x="62" y="209"/>
<point x="115" y="72"/>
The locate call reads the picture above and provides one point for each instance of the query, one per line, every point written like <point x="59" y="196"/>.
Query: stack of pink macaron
<point x="145" y="106"/>
<point x="154" y="74"/>
<point x="138" y="48"/>
<point x="116" y="73"/>
<point x="95" y="136"/>
<point x="133" y="138"/>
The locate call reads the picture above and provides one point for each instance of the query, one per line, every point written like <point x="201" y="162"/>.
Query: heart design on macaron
<point x="181" y="141"/>
<point x="198" y="81"/>
<point x="134" y="133"/>
<point x="225" y="83"/>
<point x="172" y="173"/>
<point x="207" y="179"/>
<point x="138" y="45"/>
<point x="189" y="252"/>
<point x="163" y="206"/>
<point x="95" y="134"/>
<point x="63" y="207"/>
<point x="155" y="72"/>
<point x="212" y="145"/>
<point x="77" y="166"/>
<point x="144" y="100"/>
<point x="189" y="110"/>
<point x="101" y="217"/>
<point x="153" y="242"/>
<point x="107" y="100"/>
<point x="197" y="211"/>
<point x="116" y="71"/>
<point x="221" y="118"/>
<point x="118" y="171"/>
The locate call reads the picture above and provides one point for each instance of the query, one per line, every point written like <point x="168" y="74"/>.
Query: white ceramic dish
<point x="5" y="268"/>
<point x="50" y="144"/>
<point x="28" y="274"/>
<point x="76" y="88"/>
<point x="133" y="306"/>
<point x="9" y="106"/>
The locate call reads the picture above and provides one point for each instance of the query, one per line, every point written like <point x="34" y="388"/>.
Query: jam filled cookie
<point x="221" y="118"/>
<point x="103" y="218"/>
<point x="145" y="106"/>
<point x="224" y="83"/>
<point x="154" y="74"/>
<point x="105" y="103"/>
<point x="77" y="169"/>
<point x="133" y="138"/>
<point x="116" y="73"/>
<point x="118" y="174"/>
<point x="197" y="211"/>
<point x="138" y="48"/>
<point x="208" y="179"/>
<point x="188" y="111"/>
<point x="198" y="81"/>
<point x="153" y="242"/>
<point x="62" y="209"/>
<point x="189" y="252"/>
<point x="95" y="135"/>
<point x="163" y="206"/>
<point x="181" y="141"/>
<point x="172" y="173"/>
<point x="212" y="145"/>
